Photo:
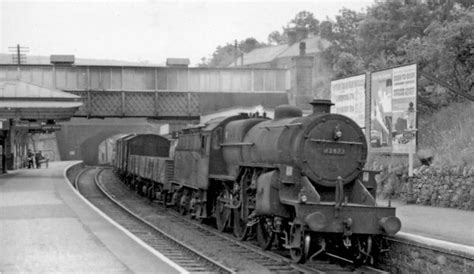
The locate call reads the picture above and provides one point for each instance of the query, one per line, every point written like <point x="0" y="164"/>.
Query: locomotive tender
<point x="293" y="182"/>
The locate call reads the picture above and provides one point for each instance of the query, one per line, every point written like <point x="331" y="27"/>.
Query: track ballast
<point x="224" y="250"/>
<point x="179" y="253"/>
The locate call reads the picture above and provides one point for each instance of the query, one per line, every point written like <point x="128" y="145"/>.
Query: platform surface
<point x="445" y="224"/>
<point x="45" y="227"/>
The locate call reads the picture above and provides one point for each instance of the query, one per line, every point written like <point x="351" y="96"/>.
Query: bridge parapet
<point x="113" y="78"/>
<point x="118" y="91"/>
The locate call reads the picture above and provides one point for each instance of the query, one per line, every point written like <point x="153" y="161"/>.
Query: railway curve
<point x="178" y="252"/>
<point x="235" y="255"/>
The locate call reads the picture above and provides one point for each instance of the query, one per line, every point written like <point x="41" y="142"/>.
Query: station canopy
<point x="21" y="100"/>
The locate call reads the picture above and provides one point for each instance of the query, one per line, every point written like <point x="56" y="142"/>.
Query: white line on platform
<point x="128" y="233"/>
<point x="465" y="250"/>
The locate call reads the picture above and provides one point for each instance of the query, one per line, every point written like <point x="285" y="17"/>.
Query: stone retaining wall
<point x="445" y="187"/>
<point x="414" y="254"/>
<point x="73" y="171"/>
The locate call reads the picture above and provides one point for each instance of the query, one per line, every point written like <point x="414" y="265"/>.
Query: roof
<point x="46" y="60"/>
<point x="22" y="100"/>
<point x="314" y="45"/>
<point x="62" y="59"/>
<point x="19" y="89"/>
<point x="261" y="55"/>
<point x="40" y="104"/>
<point x="177" y="62"/>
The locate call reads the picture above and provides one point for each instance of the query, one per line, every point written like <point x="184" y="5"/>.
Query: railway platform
<point x="442" y="224"/>
<point x="46" y="227"/>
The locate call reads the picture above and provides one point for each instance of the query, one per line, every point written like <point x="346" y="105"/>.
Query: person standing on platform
<point x="38" y="158"/>
<point x="30" y="158"/>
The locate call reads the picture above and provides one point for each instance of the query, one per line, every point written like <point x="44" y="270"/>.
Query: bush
<point x="449" y="135"/>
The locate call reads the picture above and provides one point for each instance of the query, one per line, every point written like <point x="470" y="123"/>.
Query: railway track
<point x="191" y="260"/>
<point x="246" y="256"/>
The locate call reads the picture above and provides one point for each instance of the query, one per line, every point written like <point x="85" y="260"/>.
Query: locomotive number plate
<point x="334" y="151"/>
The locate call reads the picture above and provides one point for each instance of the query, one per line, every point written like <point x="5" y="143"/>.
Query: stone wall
<point x="47" y="144"/>
<point x="451" y="187"/>
<point x="412" y="254"/>
<point x="79" y="138"/>
<point x="445" y="187"/>
<point x="73" y="171"/>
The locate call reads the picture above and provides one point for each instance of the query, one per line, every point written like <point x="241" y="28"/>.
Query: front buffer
<point x="342" y="222"/>
<point x="349" y="218"/>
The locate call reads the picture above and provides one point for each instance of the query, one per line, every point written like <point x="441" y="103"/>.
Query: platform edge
<point x="126" y="232"/>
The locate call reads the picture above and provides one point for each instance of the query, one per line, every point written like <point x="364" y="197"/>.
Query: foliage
<point x="446" y="51"/>
<point x="386" y="27"/>
<point x="438" y="36"/>
<point x="225" y="55"/>
<point x="348" y="64"/>
<point x="449" y="133"/>
<point x="342" y="33"/>
<point x="304" y="19"/>
<point x="277" y="38"/>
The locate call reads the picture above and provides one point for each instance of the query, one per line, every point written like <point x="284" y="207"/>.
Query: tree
<point x="325" y="29"/>
<point x="304" y="19"/>
<point x="439" y="36"/>
<point x="446" y="51"/>
<point x="343" y="35"/>
<point x="249" y="44"/>
<point x="387" y="26"/>
<point x="223" y="56"/>
<point x="277" y="38"/>
<point x="347" y="65"/>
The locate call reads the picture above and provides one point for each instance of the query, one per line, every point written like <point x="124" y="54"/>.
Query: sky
<point x="150" y="31"/>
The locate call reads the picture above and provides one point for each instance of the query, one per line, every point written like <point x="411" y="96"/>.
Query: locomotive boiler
<point x="295" y="182"/>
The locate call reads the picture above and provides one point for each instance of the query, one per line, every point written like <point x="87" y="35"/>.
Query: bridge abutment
<point x="79" y="138"/>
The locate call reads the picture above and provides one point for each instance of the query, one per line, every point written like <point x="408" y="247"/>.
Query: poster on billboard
<point x="348" y="96"/>
<point x="393" y="110"/>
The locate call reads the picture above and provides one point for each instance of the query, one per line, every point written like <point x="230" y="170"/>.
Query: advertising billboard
<point x="348" y="96"/>
<point x="393" y="110"/>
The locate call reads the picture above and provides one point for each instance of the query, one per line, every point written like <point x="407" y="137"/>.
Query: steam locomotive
<point x="293" y="182"/>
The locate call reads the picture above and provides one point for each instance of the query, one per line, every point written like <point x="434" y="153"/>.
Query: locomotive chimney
<point x="321" y="106"/>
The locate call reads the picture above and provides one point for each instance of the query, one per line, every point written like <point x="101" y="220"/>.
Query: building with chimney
<point x="281" y="56"/>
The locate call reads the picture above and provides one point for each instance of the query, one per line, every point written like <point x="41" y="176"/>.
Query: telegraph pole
<point x="235" y="53"/>
<point x="18" y="54"/>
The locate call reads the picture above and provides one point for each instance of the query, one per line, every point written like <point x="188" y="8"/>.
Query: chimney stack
<point x="177" y="62"/>
<point x="62" y="59"/>
<point x="301" y="33"/>
<point x="291" y="37"/>
<point x="302" y="48"/>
